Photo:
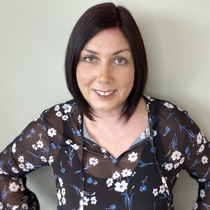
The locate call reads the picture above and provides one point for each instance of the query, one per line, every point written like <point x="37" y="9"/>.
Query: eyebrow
<point x="115" y="53"/>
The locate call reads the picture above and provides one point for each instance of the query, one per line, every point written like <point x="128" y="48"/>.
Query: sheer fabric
<point x="88" y="177"/>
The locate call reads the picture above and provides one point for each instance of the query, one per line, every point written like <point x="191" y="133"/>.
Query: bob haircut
<point x="94" y="20"/>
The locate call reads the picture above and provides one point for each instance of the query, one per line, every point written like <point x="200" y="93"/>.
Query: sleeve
<point x="28" y="152"/>
<point x="197" y="151"/>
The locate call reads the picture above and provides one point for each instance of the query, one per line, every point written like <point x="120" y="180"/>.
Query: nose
<point x="105" y="73"/>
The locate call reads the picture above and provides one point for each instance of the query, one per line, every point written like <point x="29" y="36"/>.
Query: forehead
<point x="111" y="38"/>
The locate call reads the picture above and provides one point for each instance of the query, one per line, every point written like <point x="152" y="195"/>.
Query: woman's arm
<point x="29" y="151"/>
<point x="198" y="163"/>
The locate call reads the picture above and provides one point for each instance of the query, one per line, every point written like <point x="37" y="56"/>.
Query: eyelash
<point x="95" y="59"/>
<point x="121" y="59"/>
<point x="86" y="59"/>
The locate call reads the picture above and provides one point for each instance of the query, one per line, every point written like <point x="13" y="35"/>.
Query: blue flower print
<point x="143" y="187"/>
<point x="142" y="164"/>
<point x="91" y="181"/>
<point x="111" y="207"/>
<point x="167" y="130"/>
<point x="31" y="133"/>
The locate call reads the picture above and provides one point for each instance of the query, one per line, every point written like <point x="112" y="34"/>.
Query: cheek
<point x="126" y="85"/>
<point x="81" y="75"/>
<point x="84" y="78"/>
<point x="128" y="80"/>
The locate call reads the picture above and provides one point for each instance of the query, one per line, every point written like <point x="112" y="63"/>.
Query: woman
<point x="110" y="147"/>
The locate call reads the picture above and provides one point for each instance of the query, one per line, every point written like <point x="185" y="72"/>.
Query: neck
<point x="115" y="118"/>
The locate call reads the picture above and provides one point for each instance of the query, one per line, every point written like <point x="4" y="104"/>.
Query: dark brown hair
<point x="94" y="20"/>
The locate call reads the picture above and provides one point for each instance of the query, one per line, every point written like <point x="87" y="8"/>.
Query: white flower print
<point x="61" y="196"/>
<point x="168" y="166"/>
<point x="60" y="181"/>
<point x="67" y="108"/>
<point x="59" y="202"/>
<point x="201" y="149"/>
<point x="24" y="206"/>
<point x="155" y="133"/>
<point x="15" y="170"/>
<point x="176" y="165"/>
<point x="40" y="144"/>
<point x="51" y="132"/>
<point x="121" y="186"/>
<point x="65" y="117"/>
<point x="116" y="175"/>
<point x="204" y="159"/>
<point x="75" y="146"/>
<point x="162" y="189"/>
<point x="195" y="206"/>
<point x="26" y="170"/>
<point x="15" y="207"/>
<point x="109" y="182"/>
<point x="13" y="187"/>
<point x="68" y="141"/>
<point x="21" y="159"/>
<point x="103" y="150"/>
<point x="149" y="98"/>
<point x="29" y="166"/>
<point x="21" y="166"/>
<point x="59" y="114"/>
<point x="56" y="108"/>
<point x="202" y="180"/>
<point x="34" y="146"/>
<point x="182" y="160"/>
<point x="155" y="192"/>
<point x="170" y="106"/>
<point x="142" y="135"/>
<point x="204" y="140"/>
<point x="199" y="138"/>
<point x="36" y="118"/>
<point x="22" y="188"/>
<point x="84" y="201"/>
<point x="132" y="157"/>
<point x="176" y="155"/>
<point x="1" y="171"/>
<point x="63" y="191"/>
<point x="51" y="160"/>
<point x="126" y="172"/>
<point x="63" y="200"/>
<point x="14" y="148"/>
<point x="44" y="159"/>
<point x="202" y="193"/>
<point x="1" y="205"/>
<point x="93" y="161"/>
<point x="93" y="200"/>
<point x="79" y="119"/>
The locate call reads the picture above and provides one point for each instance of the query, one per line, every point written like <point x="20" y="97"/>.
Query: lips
<point x="104" y="93"/>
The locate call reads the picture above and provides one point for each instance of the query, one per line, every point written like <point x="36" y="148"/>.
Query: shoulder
<point x="165" y="110"/>
<point x="61" y="111"/>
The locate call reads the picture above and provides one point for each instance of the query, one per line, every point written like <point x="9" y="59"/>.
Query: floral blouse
<point x="88" y="177"/>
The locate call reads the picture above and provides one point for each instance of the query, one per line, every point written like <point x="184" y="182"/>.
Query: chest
<point x="126" y="182"/>
<point x="117" y="139"/>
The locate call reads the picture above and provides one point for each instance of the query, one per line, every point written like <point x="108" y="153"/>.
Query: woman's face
<point x="105" y="72"/>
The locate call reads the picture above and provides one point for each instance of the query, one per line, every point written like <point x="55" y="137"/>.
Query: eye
<point x="120" y="60"/>
<point x="90" y="59"/>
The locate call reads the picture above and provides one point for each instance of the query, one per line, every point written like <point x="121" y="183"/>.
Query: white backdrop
<point x="33" y="39"/>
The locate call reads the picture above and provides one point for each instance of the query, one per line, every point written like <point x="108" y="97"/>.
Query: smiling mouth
<point x="104" y="93"/>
